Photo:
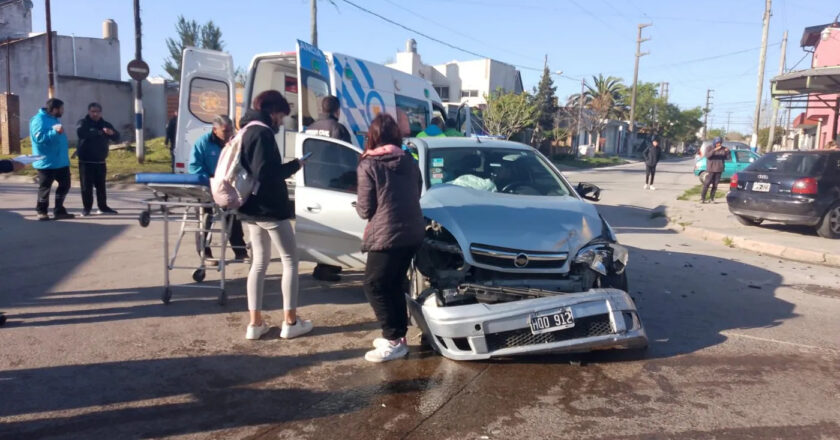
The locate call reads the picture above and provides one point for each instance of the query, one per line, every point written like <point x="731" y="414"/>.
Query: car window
<point x="332" y="166"/>
<point x="505" y="170"/>
<point x="744" y="156"/>
<point x="790" y="163"/>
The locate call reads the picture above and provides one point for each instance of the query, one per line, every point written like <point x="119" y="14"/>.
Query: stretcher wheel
<point x="198" y="275"/>
<point x="145" y="218"/>
<point x="222" y="298"/>
<point x="167" y="295"/>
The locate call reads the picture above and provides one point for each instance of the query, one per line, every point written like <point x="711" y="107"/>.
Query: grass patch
<point x="684" y="224"/>
<point x="694" y="193"/>
<point x="122" y="164"/>
<point x="727" y="241"/>
<point x="598" y="161"/>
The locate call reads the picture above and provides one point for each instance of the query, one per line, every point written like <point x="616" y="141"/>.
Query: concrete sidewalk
<point x="714" y="222"/>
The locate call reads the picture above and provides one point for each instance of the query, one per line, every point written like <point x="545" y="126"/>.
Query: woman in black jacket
<point x="268" y="212"/>
<point x="652" y="156"/>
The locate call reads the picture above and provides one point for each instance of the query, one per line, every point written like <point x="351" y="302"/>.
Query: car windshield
<point x="504" y="170"/>
<point x="789" y="163"/>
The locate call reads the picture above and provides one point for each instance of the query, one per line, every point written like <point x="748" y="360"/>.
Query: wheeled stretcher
<point x="185" y="199"/>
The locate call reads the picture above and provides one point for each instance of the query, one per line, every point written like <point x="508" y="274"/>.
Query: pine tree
<point x="190" y="33"/>
<point x="545" y="101"/>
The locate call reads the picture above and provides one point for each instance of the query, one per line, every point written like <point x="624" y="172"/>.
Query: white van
<point x="364" y="89"/>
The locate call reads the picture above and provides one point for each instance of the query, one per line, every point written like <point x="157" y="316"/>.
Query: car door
<point x="328" y="230"/>
<point x="729" y="165"/>
<point x="207" y="90"/>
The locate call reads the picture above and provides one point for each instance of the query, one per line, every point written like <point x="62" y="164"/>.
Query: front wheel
<point x="829" y="227"/>
<point x="748" y="221"/>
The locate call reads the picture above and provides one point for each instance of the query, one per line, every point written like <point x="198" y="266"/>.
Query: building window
<point x="469" y="93"/>
<point x="443" y="92"/>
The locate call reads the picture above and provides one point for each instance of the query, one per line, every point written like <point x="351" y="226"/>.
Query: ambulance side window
<point x="416" y="110"/>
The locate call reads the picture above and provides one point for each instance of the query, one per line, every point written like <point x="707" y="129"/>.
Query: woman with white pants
<point x="268" y="212"/>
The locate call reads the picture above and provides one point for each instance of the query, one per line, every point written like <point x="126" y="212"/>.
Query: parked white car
<point x="514" y="260"/>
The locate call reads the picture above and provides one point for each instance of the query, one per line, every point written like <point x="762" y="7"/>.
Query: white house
<point x="459" y="82"/>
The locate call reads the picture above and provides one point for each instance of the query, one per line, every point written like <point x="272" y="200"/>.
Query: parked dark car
<point x="791" y="187"/>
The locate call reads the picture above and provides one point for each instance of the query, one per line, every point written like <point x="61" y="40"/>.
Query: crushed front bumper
<point x="604" y="319"/>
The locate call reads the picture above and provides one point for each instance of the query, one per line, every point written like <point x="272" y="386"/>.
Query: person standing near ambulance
<point x="327" y="125"/>
<point x="50" y="141"/>
<point x="268" y="214"/>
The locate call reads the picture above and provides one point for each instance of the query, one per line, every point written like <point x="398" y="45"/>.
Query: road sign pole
<point x="138" y="87"/>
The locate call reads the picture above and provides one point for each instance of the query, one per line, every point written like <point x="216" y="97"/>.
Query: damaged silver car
<point x="514" y="260"/>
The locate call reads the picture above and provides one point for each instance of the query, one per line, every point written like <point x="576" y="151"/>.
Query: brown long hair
<point x="383" y="130"/>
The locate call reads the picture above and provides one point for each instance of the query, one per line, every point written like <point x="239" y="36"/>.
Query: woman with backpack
<point x="388" y="196"/>
<point x="267" y="212"/>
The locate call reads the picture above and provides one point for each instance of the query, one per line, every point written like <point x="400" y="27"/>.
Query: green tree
<point x="604" y="100"/>
<point x="680" y="125"/>
<point x="508" y="113"/>
<point x="545" y="100"/>
<point x="764" y="133"/>
<point x="190" y="34"/>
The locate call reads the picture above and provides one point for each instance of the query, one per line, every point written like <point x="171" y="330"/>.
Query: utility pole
<point x="776" y="101"/>
<point x="313" y="25"/>
<point x="580" y="116"/>
<point x="138" y="88"/>
<point x="761" y="61"/>
<point x="639" y="54"/>
<point x="706" y="113"/>
<point x="50" y="71"/>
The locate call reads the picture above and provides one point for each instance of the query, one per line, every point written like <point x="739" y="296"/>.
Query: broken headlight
<point x="601" y="257"/>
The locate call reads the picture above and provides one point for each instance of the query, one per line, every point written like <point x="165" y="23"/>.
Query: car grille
<point x="504" y="258"/>
<point x="596" y="325"/>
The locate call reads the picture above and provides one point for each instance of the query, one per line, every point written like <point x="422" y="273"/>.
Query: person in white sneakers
<point x="652" y="155"/>
<point x="388" y="196"/>
<point x="267" y="214"/>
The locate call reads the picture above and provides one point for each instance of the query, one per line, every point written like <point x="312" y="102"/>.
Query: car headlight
<point x="600" y="255"/>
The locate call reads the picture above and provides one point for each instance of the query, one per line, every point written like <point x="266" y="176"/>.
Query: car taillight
<point x="733" y="182"/>
<point x="807" y="185"/>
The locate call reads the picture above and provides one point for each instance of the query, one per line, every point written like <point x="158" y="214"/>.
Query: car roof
<point x="467" y="142"/>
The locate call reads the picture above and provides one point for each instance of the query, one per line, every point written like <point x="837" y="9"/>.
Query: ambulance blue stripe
<point x="357" y="86"/>
<point x="348" y="101"/>
<point x="366" y="73"/>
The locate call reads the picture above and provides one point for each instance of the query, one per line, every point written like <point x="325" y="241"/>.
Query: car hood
<point x="528" y="223"/>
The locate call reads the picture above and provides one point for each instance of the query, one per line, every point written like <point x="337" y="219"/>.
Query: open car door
<point x="327" y="228"/>
<point x="207" y="90"/>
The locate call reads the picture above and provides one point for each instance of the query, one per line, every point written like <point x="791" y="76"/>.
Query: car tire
<point x="829" y="227"/>
<point x="615" y="281"/>
<point x="702" y="177"/>
<point x="748" y="221"/>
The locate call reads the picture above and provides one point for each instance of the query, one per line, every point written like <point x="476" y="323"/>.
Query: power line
<point x="714" y="57"/>
<point x="460" y="49"/>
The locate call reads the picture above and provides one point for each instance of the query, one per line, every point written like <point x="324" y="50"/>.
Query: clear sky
<point x="695" y="45"/>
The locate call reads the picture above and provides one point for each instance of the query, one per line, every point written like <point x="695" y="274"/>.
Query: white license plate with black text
<point x="552" y="321"/>
<point x="761" y="187"/>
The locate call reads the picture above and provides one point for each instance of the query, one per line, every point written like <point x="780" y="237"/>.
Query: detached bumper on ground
<point x="603" y="319"/>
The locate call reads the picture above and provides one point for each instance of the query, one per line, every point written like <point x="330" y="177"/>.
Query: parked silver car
<point x="514" y="260"/>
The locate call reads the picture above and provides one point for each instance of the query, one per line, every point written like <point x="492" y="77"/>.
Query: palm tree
<point x="604" y="99"/>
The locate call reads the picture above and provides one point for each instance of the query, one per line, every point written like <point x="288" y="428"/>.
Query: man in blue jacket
<point x="49" y="140"/>
<point x="203" y="160"/>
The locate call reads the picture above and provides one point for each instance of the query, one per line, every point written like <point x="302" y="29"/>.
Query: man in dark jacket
<point x="94" y="135"/>
<point x="714" y="168"/>
<point x="328" y="125"/>
<point x="171" y="128"/>
<point x="652" y="155"/>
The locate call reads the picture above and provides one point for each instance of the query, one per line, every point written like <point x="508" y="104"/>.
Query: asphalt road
<point x="742" y="346"/>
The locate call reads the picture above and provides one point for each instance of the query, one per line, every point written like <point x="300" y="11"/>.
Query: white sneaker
<point x="256" y="332"/>
<point x="301" y="327"/>
<point x="647" y="186"/>
<point x="387" y="352"/>
<point x="381" y="343"/>
<point x="652" y="188"/>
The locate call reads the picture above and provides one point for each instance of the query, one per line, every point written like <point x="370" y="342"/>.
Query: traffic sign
<point x="138" y="70"/>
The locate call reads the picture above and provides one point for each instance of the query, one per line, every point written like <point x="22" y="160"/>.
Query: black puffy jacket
<point x="93" y="142"/>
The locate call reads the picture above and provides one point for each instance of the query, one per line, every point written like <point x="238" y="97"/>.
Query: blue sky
<point x="695" y="45"/>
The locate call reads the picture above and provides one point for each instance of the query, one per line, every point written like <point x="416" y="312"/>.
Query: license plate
<point x="761" y="187"/>
<point x="551" y="321"/>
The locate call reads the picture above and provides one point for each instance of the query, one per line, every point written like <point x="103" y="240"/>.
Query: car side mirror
<point x="588" y="191"/>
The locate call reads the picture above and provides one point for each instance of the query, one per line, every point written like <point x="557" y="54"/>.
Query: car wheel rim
<point x="834" y="220"/>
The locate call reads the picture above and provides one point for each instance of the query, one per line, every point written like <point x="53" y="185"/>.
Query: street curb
<point x="74" y="183"/>
<point x="761" y="247"/>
